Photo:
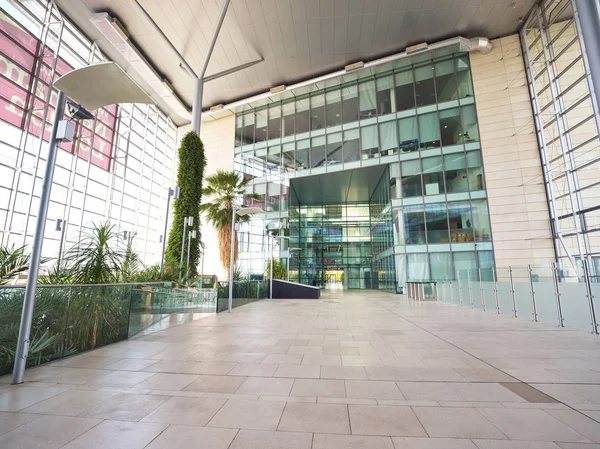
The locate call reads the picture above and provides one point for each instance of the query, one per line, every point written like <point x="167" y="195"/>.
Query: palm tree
<point x="225" y="187"/>
<point x="13" y="261"/>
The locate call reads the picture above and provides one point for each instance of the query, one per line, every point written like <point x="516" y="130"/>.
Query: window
<point x="411" y="179"/>
<point x="273" y="197"/>
<point x="302" y="115"/>
<point x="248" y="129"/>
<point x="450" y="127"/>
<point x="414" y="224"/>
<point x="274" y="122"/>
<point x="464" y="261"/>
<point x="429" y="130"/>
<point x="463" y="76"/>
<point x="318" y="156"/>
<point x="386" y="103"/>
<point x="481" y="220"/>
<point x="239" y="130"/>
<point x="368" y="106"/>
<point x="350" y="103"/>
<point x="469" y="119"/>
<point x="317" y="112"/>
<point x="424" y="86"/>
<point x="437" y="223"/>
<point x="351" y="145"/>
<point x="288" y="156"/>
<point x="405" y="94"/>
<point x="369" y="142"/>
<point x="388" y="137"/>
<point x="445" y="81"/>
<point x="433" y="176"/>
<point x="408" y="134"/>
<point x="274" y="155"/>
<point x="441" y="266"/>
<point x="456" y="173"/>
<point x="333" y="112"/>
<point x="417" y="267"/>
<point x="334" y="148"/>
<point x="260" y="131"/>
<point x="476" y="180"/>
<point x="288" y="110"/>
<point x="302" y="154"/>
<point x="459" y="217"/>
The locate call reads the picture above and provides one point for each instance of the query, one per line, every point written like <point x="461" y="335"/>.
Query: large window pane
<point x="463" y="75"/>
<point x="366" y="91"/>
<point x="239" y="119"/>
<point x="318" y="156"/>
<point x="302" y="115"/>
<point x="408" y="134"/>
<point x="388" y="138"/>
<point x="469" y="119"/>
<point x="334" y="148"/>
<point x="405" y="94"/>
<point x="289" y="128"/>
<point x="369" y="142"/>
<point x="248" y="131"/>
<point x="273" y="197"/>
<point x="386" y="103"/>
<point x="456" y="173"/>
<point x="350" y="103"/>
<point x="275" y="122"/>
<point x="433" y="175"/>
<point x="464" y="261"/>
<point x="351" y="145"/>
<point x="302" y="154"/>
<point x="481" y="220"/>
<point x="333" y="113"/>
<point x="445" y="81"/>
<point x="441" y="266"/>
<point x="437" y="223"/>
<point x="411" y="179"/>
<point x="317" y="112"/>
<point x="289" y="160"/>
<point x="459" y="216"/>
<point x="429" y="130"/>
<point x="274" y="155"/>
<point x="476" y="180"/>
<point x="424" y="85"/>
<point x="260" y="131"/>
<point x="417" y="267"/>
<point x="450" y="127"/>
<point x="414" y="225"/>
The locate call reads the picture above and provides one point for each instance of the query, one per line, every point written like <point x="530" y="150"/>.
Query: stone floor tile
<point x="216" y="384"/>
<point x="450" y="422"/>
<point x="215" y="368"/>
<point x="492" y="392"/>
<point x="130" y="364"/>
<point x="429" y="391"/>
<point x="117" y="435"/>
<point x="245" y="357"/>
<point x="432" y="443"/>
<point x="385" y="421"/>
<point x="292" y="342"/>
<point x="321" y="418"/>
<point x="121" y="379"/>
<point x="353" y="360"/>
<point x="266" y="386"/>
<point x="47" y="432"/>
<point x="578" y="446"/>
<point x="584" y="425"/>
<point x="87" y="361"/>
<point x="18" y="398"/>
<point x="343" y="372"/>
<point x="172" y="366"/>
<point x="184" y="437"/>
<point x="254" y="369"/>
<point x="319" y="388"/>
<point x="373" y="389"/>
<point x="298" y="371"/>
<point x="272" y="349"/>
<point x="257" y="439"/>
<point x="306" y="350"/>
<point x="186" y="411"/>
<point x="337" y="350"/>
<point x="324" y="360"/>
<point x="166" y="381"/>
<point x="324" y="441"/>
<point x="65" y="375"/>
<point x="125" y="407"/>
<point x="10" y="421"/>
<point x="283" y="359"/>
<point x="512" y="444"/>
<point x="71" y="402"/>
<point x="537" y="425"/>
<point x="255" y="415"/>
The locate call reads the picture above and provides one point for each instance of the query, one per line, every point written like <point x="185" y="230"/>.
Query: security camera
<point x="78" y="112"/>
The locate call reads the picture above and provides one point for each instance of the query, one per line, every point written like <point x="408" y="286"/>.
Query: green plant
<point x="190" y="176"/>
<point x="279" y="270"/>
<point x="13" y="261"/>
<point x="131" y="263"/>
<point x="224" y="187"/>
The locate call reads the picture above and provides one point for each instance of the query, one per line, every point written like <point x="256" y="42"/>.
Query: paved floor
<point x="354" y="371"/>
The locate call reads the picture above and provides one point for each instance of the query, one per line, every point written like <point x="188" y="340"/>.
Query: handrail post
<point x="590" y="296"/>
<point x="561" y="322"/>
<point x="512" y="291"/>
<point x="496" y="291"/>
<point x="470" y="288"/>
<point x="481" y="290"/>
<point x="460" y="299"/>
<point x="532" y="292"/>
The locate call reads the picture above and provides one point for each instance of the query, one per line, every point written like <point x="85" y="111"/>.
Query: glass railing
<point x="536" y="292"/>
<point x="68" y="319"/>
<point x="244" y="292"/>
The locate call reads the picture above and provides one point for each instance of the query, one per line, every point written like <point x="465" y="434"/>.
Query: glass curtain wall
<point x="421" y="121"/>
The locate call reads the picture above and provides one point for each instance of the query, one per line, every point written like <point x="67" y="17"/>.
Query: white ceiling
<point x="299" y="39"/>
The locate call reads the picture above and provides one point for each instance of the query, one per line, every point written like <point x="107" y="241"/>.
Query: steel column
<point x="231" y="258"/>
<point x="512" y="292"/>
<point x="532" y="291"/>
<point x="590" y="296"/>
<point x="561" y="322"/>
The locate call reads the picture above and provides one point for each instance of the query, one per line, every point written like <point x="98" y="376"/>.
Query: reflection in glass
<point x="437" y="223"/>
<point x="317" y="112"/>
<point x="408" y="133"/>
<point x="368" y="106"/>
<point x="411" y="179"/>
<point x="334" y="148"/>
<point x="333" y="112"/>
<point x="405" y="94"/>
<point x="273" y="197"/>
<point x="274" y="122"/>
<point x="424" y="86"/>
<point x="350" y="103"/>
<point x="302" y="115"/>
<point x="260" y="131"/>
<point x="459" y="217"/>
<point x="414" y="224"/>
<point x="369" y="142"/>
<point x="476" y="180"/>
<point x="481" y="220"/>
<point x="289" y="128"/>
<point x="450" y="127"/>
<point x="318" y="155"/>
<point x="429" y="130"/>
<point x="238" y="130"/>
<point x="386" y="103"/>
<point x="441" y="266"/>
<point x="417" y="267"/>
<point x="445" y="81"/>
<point x="351" y="146"/>
<point x="463" y="75"/>
<point x="248" y="130"/>
<point x="464" y="261"/>
<point x="456" y="173"/>
<point x="388" y="138"/>
<point x="288" y="156"/>
<point x="274" y="155"/>
<point x="469" y="119"/>
<point x="433" y="176"/>
<point x="302" y="154"/>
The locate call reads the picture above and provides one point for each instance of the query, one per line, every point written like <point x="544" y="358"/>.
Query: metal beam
<point x="232" y="70"/>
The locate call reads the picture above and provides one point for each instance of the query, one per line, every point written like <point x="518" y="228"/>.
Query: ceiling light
<point x="416" y="48"/>
<point x="355" y="66"/>
<point x="216" y="108"/>
<point x="112" y="29"/>
<point x="277" y="89"/>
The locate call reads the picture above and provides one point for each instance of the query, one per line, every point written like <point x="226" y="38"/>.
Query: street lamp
<point x="187" y="221"/>
<point x="92" y="87"/>
<point x="175" y="194"/>
<point x="242" y="212"/>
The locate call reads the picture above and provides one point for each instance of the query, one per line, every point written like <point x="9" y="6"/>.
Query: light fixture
<point x="216" y="108"/>
<point x="416" y="48"/>
<point x="277" y="89"/>
<point x="354" y="66"/>
<point x="112" y="29"/>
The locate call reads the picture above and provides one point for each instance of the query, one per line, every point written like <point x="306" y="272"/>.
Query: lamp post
<point x="191" y="235"/>
<point x="239" y="212"/>
<point x="186" y="221"/>
<point x="175" y="194"/>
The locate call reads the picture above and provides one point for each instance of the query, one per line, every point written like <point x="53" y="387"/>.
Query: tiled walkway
<point x="354" y="371"/>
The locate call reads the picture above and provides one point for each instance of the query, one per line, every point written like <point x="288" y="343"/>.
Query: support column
<point x="197" y="105"/>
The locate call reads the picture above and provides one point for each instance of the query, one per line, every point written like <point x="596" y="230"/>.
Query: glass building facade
<point x="427" y="214"/>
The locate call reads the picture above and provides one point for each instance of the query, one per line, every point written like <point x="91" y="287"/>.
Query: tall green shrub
<point x="189" y="179"/>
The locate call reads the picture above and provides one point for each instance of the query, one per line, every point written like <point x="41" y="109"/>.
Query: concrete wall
<point x="517" y="199"/>
<point x="218" y="138"/>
